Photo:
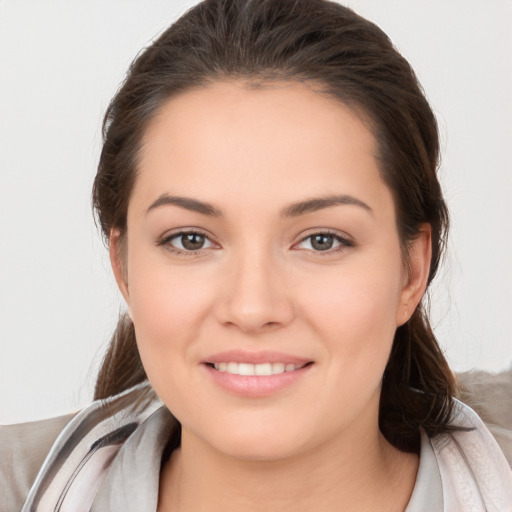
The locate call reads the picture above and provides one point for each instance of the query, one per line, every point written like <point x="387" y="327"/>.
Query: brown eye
<point x="325" y="242"/>
<point x="192" y="241"/>
<point x="186" y="242"/>
<point x="322" y="242"/>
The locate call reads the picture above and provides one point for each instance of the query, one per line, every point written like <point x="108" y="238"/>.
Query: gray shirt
<point x="131" y="484"/>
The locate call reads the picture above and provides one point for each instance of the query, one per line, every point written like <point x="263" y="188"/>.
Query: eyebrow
<point x="319" y="203"/>
<point x="188" y="203"/>
<point x="292" y="210"/>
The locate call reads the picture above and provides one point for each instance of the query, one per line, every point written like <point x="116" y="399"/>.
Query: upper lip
<point x="264" y="356"/>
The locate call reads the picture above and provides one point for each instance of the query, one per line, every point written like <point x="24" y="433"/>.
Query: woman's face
<point x="261" y="239"/>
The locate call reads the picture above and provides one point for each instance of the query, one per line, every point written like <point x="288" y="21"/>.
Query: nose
<point x="255" y="297"/>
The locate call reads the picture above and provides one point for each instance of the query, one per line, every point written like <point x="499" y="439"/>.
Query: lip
<point x="256" y="386"/>
<point x="245" y="356"/>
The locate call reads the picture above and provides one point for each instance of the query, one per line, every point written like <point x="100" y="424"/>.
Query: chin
<point x="256" y="439"/>
<point x="259" y="448"/>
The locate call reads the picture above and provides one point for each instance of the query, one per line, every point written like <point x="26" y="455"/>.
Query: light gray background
<point x="60" y="63"/>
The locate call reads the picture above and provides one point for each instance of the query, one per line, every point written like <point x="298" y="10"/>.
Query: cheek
<point x="168" y="305"/>
<point x="354" y="302"/>
<point x="354" y="313"/>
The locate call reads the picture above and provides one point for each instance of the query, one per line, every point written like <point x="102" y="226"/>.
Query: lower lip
<point x="256" y="385"/>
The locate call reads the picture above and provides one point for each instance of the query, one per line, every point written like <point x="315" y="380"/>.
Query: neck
<point x="356" y="472"/>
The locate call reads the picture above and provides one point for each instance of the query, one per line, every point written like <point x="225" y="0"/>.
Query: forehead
<point x="286" y="108"/>
<point x="233" y="141"/>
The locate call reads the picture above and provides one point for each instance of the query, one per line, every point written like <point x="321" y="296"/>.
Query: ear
<point x="420" y="254"/>
<point x="118" y="261"/>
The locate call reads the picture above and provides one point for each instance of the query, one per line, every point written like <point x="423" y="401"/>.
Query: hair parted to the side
<point x="345" y="56"/>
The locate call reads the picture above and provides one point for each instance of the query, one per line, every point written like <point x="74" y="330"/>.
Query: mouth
<point x="259" y="369"/>
<point x="256" y="375"/>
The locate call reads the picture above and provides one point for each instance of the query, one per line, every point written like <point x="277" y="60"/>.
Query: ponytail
<point x="417" y="386"/>
<point x="121" y="367"/>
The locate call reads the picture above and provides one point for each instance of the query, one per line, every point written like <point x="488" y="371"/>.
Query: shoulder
<point x="490" y="396"/>
<point x="23" y="448"/>
<point x="474" y="472"/>
<point x="94" y="436"/>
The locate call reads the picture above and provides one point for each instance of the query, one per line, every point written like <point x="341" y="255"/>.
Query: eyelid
<point x="164" y="240"/>
<point x="344" y="240"/>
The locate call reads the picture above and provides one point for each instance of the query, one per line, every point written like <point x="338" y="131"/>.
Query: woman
<point x="268" y="189"/>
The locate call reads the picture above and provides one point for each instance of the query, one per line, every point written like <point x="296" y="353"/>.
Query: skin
<point x="257" y="284"/>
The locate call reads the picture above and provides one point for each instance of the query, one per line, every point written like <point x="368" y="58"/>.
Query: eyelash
<point x="343" y="241"/>
<point x="166" y="242"/>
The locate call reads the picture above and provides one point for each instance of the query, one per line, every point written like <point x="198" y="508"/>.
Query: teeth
<point x="263" y="369"/>
<point x="256" y="369"/>
<point x="278" y="368"/>
<point x="245" y="369"/>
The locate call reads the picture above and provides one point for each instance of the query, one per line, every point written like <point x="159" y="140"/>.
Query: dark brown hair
<point x="351" y="59"/>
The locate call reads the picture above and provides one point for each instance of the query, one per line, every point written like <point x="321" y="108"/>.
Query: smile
<point x="262" y="369"/>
